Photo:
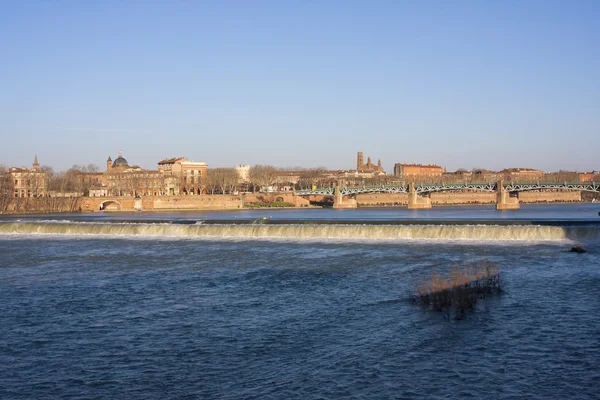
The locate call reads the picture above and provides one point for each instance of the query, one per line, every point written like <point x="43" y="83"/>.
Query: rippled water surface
<point x="140" y="318"/>
<point x="582" y="211"/>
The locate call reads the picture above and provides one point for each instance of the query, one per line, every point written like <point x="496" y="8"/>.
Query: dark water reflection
<point x="139" y="318"/>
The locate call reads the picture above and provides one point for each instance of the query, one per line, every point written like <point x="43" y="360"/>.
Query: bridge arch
<point x="110" y="205"/>
<point x="545" y="186"/>
<point x="511" y="187"/>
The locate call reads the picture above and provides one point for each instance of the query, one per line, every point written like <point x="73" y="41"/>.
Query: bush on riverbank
<point x="268" y="204"/>
<point x="460" y="291"/>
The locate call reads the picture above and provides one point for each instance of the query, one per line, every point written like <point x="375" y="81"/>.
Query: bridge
<point x="418" y="191"/>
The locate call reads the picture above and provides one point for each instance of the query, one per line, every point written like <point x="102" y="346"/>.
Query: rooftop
<point x="171" y="160"/>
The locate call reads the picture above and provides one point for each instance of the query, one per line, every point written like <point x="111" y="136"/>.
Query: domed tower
<point x="108" y="164"/>
<point x="120" y="161"/>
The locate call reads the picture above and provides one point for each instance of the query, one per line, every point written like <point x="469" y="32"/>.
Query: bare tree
<point x="212" y="180"/>
<point x="262" y="175"/>
<point x="92" y="168"/>
<point x="562" y="176"/>
<point x="6" y="187"/>
<point x="229" y="180"/>
<point x="224" y="180"/>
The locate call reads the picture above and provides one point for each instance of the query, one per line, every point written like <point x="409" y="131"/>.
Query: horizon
<point x="479" y="85"/>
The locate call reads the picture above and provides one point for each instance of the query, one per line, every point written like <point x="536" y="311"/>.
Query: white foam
<point x="313" y="232"/>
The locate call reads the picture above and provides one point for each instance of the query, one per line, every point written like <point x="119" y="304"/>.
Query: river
<point x="299" y="304"/>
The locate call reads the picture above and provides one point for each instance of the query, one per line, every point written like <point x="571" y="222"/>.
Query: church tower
<point x="360" y="161"/>
<point x="36" y="165"/>
<point x="108" y="164"/>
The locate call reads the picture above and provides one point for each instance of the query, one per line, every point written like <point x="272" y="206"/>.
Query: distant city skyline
<point x="462" y="85"/>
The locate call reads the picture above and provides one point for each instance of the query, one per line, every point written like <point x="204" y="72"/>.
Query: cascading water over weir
<point x="350" y="230"/>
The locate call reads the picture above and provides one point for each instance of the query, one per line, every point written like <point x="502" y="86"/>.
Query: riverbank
<point x="273" y="200"/>
<point x="304" y="208"/>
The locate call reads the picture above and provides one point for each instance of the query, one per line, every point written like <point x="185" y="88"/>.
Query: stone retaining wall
<point x="449" y="198"/>
<point x="549" y="197"/>
<point x="382" y="199"/>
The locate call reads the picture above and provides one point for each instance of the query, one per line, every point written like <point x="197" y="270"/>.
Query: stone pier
<point x="503" y="199"/>
<point x="416" y="202"/>
<point x="339" y="201"/>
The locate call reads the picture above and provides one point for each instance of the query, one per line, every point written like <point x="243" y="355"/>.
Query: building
<point x="190" y="175"/>
<point x="28" y="182"/>
<point x="361" y="166"/>
<point x="522" y="174"/>
<point x="122" y="179"/>
<point x="593" y="176"/>
<point x="243" y="173"/>
<point x="173" y="176"/>
<point x="460" y="175"/>
<point x="417" y="171"/>
<point x="485" y="175"/>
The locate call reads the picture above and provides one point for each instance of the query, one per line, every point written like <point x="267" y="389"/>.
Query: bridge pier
<point x="416" y="202"/>
<point x="503" y="199"/>
<point x="339" y="202"/>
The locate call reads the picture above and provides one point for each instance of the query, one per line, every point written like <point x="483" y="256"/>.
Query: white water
<point x="316" y="231"/>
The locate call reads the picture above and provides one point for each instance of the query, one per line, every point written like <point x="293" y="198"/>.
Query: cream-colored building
<point x="122" y="179"/>
<point x="186" y="177"/>
<point x="28" y="182"/>
<point x="243" y="172"/>
<point x="174" y="176"/>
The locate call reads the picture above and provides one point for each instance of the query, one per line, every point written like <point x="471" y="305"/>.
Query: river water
<point x="263" y="305"/>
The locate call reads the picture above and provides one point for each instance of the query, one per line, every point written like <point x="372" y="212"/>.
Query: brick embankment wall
<point x="208" y="202"/>
<point x="286" y="197"/>
<point x="124" y="203"/>
<point x="202" y="202"/>
<point x="44" y="204"/>
<point x="401" y="199"/>
<point x="382" y="199"/>
<point x="447" y="198"/>
<point x="319" y="198"/>
<point x="549" y="197"/>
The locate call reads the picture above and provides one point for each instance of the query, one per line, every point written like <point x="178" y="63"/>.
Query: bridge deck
<point x="475" y="186"/>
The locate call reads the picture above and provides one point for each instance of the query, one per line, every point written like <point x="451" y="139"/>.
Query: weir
<point x="309" y="231"/>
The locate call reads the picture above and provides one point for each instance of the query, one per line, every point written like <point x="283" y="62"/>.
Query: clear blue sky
<point x="471" y="84"/>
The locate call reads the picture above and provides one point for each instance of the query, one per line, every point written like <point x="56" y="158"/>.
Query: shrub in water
<point x="460" y="291"/>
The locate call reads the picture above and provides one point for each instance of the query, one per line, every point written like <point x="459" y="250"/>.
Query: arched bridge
<point x="426" y="188"/>
<point x="416" y="192"/>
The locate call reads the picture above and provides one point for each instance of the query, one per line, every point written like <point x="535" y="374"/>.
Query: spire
<point x="379" y="162"/>
<point x="109" y="159"/>
<point x="36" y="165"/>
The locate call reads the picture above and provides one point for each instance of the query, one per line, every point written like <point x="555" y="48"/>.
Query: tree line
<point x="77" y="181"/>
